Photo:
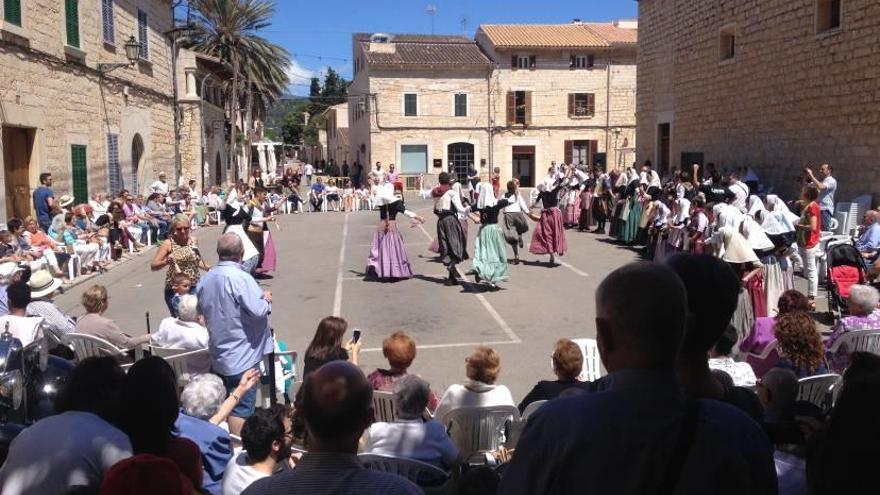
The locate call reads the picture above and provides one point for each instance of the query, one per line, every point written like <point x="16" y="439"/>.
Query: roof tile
<point x="425" y="50"/>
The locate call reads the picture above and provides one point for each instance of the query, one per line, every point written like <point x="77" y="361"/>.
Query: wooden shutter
<point x="514" y="60"/>
<point x="533" y="62"/>
<point x="143" y="36"/>
<point x="590" y="60"/>
<point x="71" y="13"/>
<point x="114" y="171"/>
<point x="571" y="103"/>
<point x="591" y="104"/>
<point x="107" y="26"/>
<point x="528" y="99"/>
<point x="511" y="108"/>
<point x="12" y="11"/>
<point x="80" y="176"/>
<point x="568" y="153"/>
<point x="594" y="149"/>
<point x="572" y="62"/>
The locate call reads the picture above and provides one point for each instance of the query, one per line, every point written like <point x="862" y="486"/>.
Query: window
<point x="519" y="107"/>
<point x="581" y="62"/>
<point x="107" y="27"/>
<point x="728" y="43"/>
<point x="461" y="105"/>
<point x="114" y="171"/>
<point x="523" y="62"/>
<point x="71" y="18"/>
<point x="828" y="13"/>
<point x="580" y="152"/>
<point x="79" y="174"/>
<point x="581" y="104"/>
<point x="410" y="105"/>
<point x="143" y="36"/>
<point x="12" y="12"/>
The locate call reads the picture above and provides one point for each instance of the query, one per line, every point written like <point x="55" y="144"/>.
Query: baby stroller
<point x="845" y="269"/>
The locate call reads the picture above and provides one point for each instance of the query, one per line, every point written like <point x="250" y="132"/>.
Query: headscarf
<point x="661" y="215"/>
<point x="754" y="205"/>
<point x="727" y="216"/>
<point x="385" y="195"/>
<point x="774" y="223"/>
<point x="487" y="198"/>
<point x="755" y="235"/>
<point x="684" y="210"/>
<point x="777" y="205"/>
<point x="736" y="247"/>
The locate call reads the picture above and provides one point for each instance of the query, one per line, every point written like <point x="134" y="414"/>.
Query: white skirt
<point x="249" y="249"/>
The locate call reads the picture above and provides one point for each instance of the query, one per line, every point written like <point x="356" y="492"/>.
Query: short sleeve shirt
<point x="826" y="196"/>
<point x="41" y="203"/>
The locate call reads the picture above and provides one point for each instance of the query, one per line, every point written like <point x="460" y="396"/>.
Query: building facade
<point x="94" y="131"/>
<point x="336" y="125"/>
<point x="773" y="85"/>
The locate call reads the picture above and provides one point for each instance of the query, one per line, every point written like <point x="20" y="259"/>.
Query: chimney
<point x="576" y="21"/>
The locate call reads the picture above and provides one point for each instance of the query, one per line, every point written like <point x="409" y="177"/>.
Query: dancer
<point x="490" y="255"/>
<point x="236" y="218"/>
<point x="549" y="235"/>
<point x="451" y="237"/>
<point x="515" y="221"/>
<point x="388" y="259"/>
<point x="601" y="199"/>
<point x="256" y="230"/>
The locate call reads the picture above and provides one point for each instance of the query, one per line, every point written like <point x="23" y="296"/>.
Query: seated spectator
<point x="77" y="446"/>
<point x="409" y="435"/>
<point x="778" y="391"/>
<point x="266" y="437"/>
<point x="24" y="328"/>
<point x="623" y="440"/>
<point x="863" y="315"/>
<point x="336" y="406"/>
<point x="846" y="454"/>
<point x="762" y="333"/>
<point x="95" y="301"/>
<point x="719" y="359"/>
<point x="327" y="346"/>
<point x="400" y="351"/>
<point x="316" y="194"/>
<point x="146" y="474"/>
<point x="185" y="333"/>
<point x="155" y="208"/>
<point x="800" y="346"/>
<point x="9" y="274"/>
<point x="54" y="253"/>
<point x="869" y="241"/>
<point x="63" y="232"/>
<point x="482" y="368"/>
<point x="149" y="410"/>
<point x="568" y="362"/>
<point x="43" y="287"/>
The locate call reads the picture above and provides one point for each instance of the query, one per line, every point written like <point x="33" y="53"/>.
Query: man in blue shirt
<point x="44" y="200"/>
<point x="827" y="187"/>
<point x="316" y="194"/>
<point x="237" y="316"/>
<point x="869" y="242"/>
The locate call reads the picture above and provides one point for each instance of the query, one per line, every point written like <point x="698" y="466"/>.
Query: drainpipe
<point x="608" y="111"/>
<point x="489" y="119"/>
<point x="202" y="124"/>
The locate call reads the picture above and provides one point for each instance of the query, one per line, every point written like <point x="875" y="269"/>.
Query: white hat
<point x="736" y="247"/>
<point x="42" y="283"/>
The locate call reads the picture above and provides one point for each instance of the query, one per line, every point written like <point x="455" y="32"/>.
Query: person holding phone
<point x="327" y="346"/>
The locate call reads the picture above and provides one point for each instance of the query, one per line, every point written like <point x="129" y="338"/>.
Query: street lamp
<point x="132" y="53"/>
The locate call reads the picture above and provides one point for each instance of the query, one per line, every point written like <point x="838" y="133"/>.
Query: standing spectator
<point x="327" y="346"/>
<point x="740" y="192"/>
<point x="640" y="435"/>
<point x="357" y="173"/>
<point x="308" y="171"/>
<point x="482" y="369"/>
<point x="44" y="201"/>
<point x="473" y="178"/>
<point x="808" y="234"/>
<point x="496" y="181"/>
<point x="266" y="438"/>
<point x="346" y="169"/>
<point x="236" y="314"/>
<point x="400" y="351"/>
<point x="160" y="186"/>
<point x="336" y="408"/>
<point x="568" y="362"/>
<point x="76" y="446"/>
<point x="179" y="253"/>
<point x="827" y="187"/>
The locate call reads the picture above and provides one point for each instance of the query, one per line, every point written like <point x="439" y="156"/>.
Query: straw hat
<point x="42" y="284"/>
<point x="65" y="201"/>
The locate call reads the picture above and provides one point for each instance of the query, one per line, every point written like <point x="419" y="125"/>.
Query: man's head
<point x="46" y="179"/>
<point x="260" y="194"/>
<point x="825" y="170"/>
<point x="712" y="293"/>
<point x="648" y="335"/>
<point x="95" y="386"/>
<point x="871" y="217"/>
<point x="19" y="295"/>
<point x="411" y="395"/>
<point x="336" y="407"/>
<point x="230" y="248"/>
<point x="778" y="391"/>
<point x="267" y="433"/>
<point x="162" y="176"/>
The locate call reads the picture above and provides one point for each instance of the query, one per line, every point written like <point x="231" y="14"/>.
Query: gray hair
<point x="782" y="385"/>
<point x="188" y="309"/>
<point x="865" y="297"/>
<point x="411" y="395"/>
<point x="202" y="396"/>
<point x="230" y="248"/>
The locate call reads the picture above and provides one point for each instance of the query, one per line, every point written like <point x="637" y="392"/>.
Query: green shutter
<point x="12" y="11"/>
<point x="80" y="174"/>
<point x="71" y="12"/>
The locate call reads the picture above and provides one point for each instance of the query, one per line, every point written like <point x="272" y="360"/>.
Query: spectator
<point x="316" y="194"/>
<point x="762" y="333"/>
<point x="150" y="406"/>
<point x="640" y="435"/>
<point x="568" y="362"/>
<point x="56" y="257"/>
<point x="9" y="274"/>
<point x="55" y="320"/>
<point x="160" y="215"/>
<point x="826" y="189"/>
<point x="24" y="328"/>
<point x="400" y="351"/>
<point x="336" y="407"/>
<point x="409" y="435"/>
<point x="44" y="201"/>
<point x="146" y="474"/>
<point x="160" y="186"/>
<point x="185" y="333"/>
<point x="719" y="359"/>
<point x="308" y="171"/>
<point x="266" y="438"/>
<point x="863" y="315"/>
<point x="800" y="347"/>
<point x="778" y="391"/>
<point x="482" y="369"/>
<point x="77" y="446"/>
<point x="869" y="241"/>
<point x="740" y="192"/>
<point x="327" y="346"/>
<point x="808" y="233"/>
<point x="179" y="253"/>
<point x="95" y="301"/>
<point x="236" y="314"/>
<point x="63" y="232"/>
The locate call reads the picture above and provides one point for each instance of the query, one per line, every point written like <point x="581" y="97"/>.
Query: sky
<point x="317" y="33"/>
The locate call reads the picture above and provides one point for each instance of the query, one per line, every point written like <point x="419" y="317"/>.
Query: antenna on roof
<point x="432" y="11"/>
<point x="464" y="24"/>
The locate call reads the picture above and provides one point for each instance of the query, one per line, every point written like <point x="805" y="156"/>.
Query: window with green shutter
<point x="71" y="13"/>
<point x="79" y="169"/>
<point x="12" y="11"/>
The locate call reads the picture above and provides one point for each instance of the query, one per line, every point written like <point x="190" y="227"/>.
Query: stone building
<point x="336" y="125"/>
<point x="516" y="97"/>
<point x="773" y="85"/>
<point x="94" y="131"/>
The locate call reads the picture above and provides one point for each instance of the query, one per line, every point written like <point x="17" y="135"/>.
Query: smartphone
<point x="356" y="335"/>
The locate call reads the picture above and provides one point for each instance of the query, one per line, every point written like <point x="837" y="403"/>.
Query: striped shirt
<point x="332" y="473"/>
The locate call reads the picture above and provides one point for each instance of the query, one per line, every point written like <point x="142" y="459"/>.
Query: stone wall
<point x="787" y="98"/>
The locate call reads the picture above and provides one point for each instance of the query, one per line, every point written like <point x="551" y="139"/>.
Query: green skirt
<point x="490" y="254"/>
<point x="632" y="222"/>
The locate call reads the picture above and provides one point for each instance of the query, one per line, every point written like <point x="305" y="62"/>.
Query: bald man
<point x="639" y="434"/>
<point x="337" y="408"/>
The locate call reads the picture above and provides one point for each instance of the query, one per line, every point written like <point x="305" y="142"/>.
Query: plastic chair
<point x="86" y="346"/>
<point x="181" y="360"/>
<point x="817" y="389"/>
<point x="531" y="408"/>
<point x="858" y="341"/>
<point x="592" y="367"/>
<point x="74" y="267"/>
<point x="762" y="362"/>
<point x="264" y="390"/>
<point x="421" y="473"/>
<point x="383" y="406"/>
<point x="476" y="430"/>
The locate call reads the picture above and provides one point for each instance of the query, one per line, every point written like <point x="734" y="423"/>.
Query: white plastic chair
<point x="858" y="341"/>
<point x="181" y="361"/>
<point x="592" y="367"/>
<point x="476" y="430"/>
<point x="74" y="267"/>
<point x="817" y="389"/>
<point x="420" y="473"/>
<point x="531" y="408"/>
<point x="383" y="406"/>
<point x="86" y="346"/>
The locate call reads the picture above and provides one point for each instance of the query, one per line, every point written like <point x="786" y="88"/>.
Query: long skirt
<point x="435" y="244"/>
<point x="388" y="256"/>
<point x="631" y="227"/>
<point x="743" y="319"/>
<point x="514" y="225"/>
<point x="614" y="228"/>
<point x="774" y="283"/>
<point x="599" y="208"/>
<point x="755" y="286"/>
<point x="258" y="241"/>
<point x="490" y="254"/>
<point x="549" y="234"/>
<point x="270" y="256"/>
<point x="451" y="240"/>
<point x="573" y="210"/>
<point x="249" y="249"/>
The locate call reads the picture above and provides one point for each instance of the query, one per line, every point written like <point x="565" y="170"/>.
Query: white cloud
<point x="299" y="78"/>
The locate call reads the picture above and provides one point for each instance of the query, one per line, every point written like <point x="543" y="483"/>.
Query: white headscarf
<point x="755" y="205"/>
<point x="661" y="213"/>
<point x="385" y="195"/>
<point x="755" y="235"/>
<point x="684" y="210"/>
<point x="727" y="216"/>
<point x="736" y="247"/>
<point x="777" y="205"/>
<point x="487" y="198"/>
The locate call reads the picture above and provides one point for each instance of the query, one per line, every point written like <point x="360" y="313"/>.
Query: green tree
<point x="332" y="91"/>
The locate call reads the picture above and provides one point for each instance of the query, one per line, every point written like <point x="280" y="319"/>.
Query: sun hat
<point x="65" y="201"/>
<point x="42" y="283"/>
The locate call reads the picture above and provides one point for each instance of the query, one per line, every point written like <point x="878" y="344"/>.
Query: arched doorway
<point x="459" y="156"/>
<point x="218" y="170"/>
<point x="137" y="157"/>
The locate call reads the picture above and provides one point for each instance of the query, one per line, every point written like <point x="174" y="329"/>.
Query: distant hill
<point x="280" y="109"/>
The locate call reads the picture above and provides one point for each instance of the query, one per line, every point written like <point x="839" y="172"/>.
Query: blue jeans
<point x="826" y="220"/>
<point x="248" y="403"/>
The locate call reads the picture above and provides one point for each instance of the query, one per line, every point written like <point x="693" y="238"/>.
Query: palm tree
<point x="229" y="31"/>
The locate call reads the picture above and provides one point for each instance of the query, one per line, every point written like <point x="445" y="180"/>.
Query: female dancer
<point x="388" y="259"/>
<point x="451" y="237"/>
<point x="549" y="235"/>
<point x="490" y="255"/>
<point x="515" y="221"/>
<point x="237" y="217"/>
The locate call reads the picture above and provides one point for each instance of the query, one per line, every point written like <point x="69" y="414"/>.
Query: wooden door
<point x="17" y="143"/>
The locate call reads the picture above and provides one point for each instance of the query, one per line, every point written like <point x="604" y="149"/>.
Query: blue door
<point x="413" y="158"/>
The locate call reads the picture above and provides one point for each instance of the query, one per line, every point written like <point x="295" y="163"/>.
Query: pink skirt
<point x="549" y="234"/>
<point x="388" y="256"/>
<point x="573" y="211"/>
<point x="270" y="257"/>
